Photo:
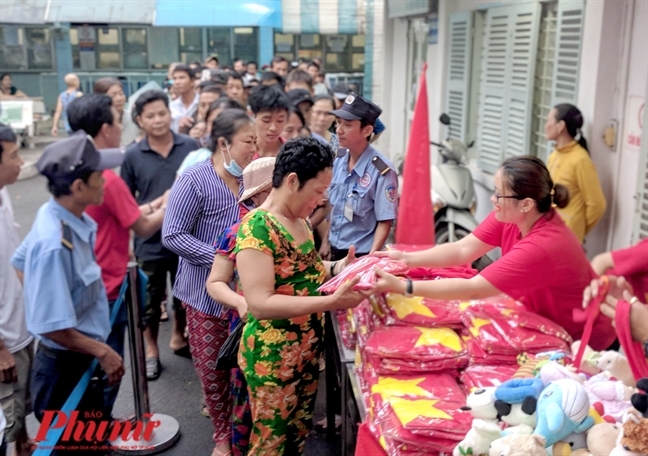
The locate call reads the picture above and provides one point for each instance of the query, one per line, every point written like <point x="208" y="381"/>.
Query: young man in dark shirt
<point x="149" y="170"/>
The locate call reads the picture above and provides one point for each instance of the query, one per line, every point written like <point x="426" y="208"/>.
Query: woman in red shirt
<point x="543" y="264"/>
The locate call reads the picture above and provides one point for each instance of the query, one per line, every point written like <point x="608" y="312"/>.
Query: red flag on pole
<point x="415" y="224"/>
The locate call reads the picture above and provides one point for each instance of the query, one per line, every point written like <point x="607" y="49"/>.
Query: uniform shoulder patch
<point x="380" y="165"/>
<point x="66" y="236"/>
<point x="391" y="193"/>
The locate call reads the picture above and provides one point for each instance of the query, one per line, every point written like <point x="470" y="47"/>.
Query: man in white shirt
<point x="184" y="107"/>
<point x="16" y="344"/>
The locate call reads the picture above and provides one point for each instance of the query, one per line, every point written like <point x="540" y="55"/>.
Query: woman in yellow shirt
<point x="570" y="165"/>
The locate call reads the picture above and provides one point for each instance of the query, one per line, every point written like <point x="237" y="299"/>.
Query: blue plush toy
<point x="563" y="408"/>
<point x="516" y="390"/>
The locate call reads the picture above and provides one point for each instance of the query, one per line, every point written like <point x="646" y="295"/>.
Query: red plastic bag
<point x="481" y="376"/>
<point x="417" y="311"/>
<point x="415" y="343"/>
<point x="364" y="267"/>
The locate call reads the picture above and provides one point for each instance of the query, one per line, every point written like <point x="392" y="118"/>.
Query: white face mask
<point x="233" y="168"/>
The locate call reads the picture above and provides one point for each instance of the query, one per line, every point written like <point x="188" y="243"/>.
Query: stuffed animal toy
<point x="521" y="418"/>
<point x="602" y="438"/>
<point x="563" y="408"/>
<point x="575" y="440"/>
<point x="640" y="400"/>
<point x="485" y="427"/>
<point x="516" y="390"/>
<point x="551" y="372"/>
<point x="588" y="364"/>
<point x="518" y="445"/>
<point x="633" y="438"/>
<point x="614" y="396"/>
<point x="615" y="364"/>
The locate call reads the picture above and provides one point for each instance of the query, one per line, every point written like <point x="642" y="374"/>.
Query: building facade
<point x="498" y="68"/>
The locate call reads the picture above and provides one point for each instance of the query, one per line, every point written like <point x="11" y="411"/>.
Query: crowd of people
<point x="248" y="191"/>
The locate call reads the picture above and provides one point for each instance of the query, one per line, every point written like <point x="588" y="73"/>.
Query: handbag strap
<point x="593" y="310"/>
<point x="633" y="350"/>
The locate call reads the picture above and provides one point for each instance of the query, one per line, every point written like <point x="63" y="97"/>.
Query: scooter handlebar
<point x="436" y="144"/>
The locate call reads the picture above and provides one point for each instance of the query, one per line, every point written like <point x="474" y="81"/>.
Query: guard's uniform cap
<point x="356" y="107"/>
<point x="68" y="157"/>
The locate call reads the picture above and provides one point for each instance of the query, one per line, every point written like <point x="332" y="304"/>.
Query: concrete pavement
<point x="177" y="392"/>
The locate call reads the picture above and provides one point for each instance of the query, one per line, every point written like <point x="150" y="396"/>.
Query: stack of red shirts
<point x="414" y="349"/>
<point x="365" y="269"/>
<point x="417" y="311"/>
<point x="420" y="414"/>
<point x="504" y="328"/>
<point x="482" y="376"/>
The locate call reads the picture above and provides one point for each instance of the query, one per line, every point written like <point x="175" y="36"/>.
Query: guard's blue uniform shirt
<point x="372" y="196"/>
<point x="63" y="288"/>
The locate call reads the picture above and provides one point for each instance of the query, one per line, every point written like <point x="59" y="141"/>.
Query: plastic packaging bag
<point x="417" y="311"/>
<point x="364" y="267"/>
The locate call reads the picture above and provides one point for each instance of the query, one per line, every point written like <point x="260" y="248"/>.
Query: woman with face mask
<point x="203" y="202"/>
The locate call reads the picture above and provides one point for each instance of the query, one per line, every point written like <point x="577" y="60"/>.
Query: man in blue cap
<point x="66" y="306"/>
<point x="364" y="190"/>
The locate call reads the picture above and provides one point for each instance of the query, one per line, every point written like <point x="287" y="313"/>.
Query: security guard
<point x="66" y="306"/>
<point x="364" y="190"/>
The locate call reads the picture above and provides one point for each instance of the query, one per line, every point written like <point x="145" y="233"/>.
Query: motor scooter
<point x="453" y="191"/>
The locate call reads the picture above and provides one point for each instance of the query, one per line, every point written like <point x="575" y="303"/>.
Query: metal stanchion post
<point x="166" y="430"/>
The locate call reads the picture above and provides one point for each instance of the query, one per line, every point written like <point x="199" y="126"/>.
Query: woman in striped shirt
<point x="203" y="202"/>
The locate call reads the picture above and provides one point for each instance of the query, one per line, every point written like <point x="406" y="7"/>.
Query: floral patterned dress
<point x="241" y="414"/>
<point x="279" y="358"/>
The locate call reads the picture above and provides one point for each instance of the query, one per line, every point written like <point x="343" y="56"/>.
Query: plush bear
<point x="518" y="445"/>
<point x="640" y="400"/>
<point x="635" y="436"/>
<point x="485" y="427"/>
<point x="614" y="396"/>
<point x="563" y="408"/>
<point x="602" y="438"/>
<point x="615" y="364"/>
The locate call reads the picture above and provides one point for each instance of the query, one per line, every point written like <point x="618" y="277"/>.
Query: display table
<point x="341" y="382"/>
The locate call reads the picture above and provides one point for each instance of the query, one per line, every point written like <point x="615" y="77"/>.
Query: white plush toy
<point x="485" y="426"/>
<point x="521" y="418"/>
<point x="518" y="445"/>
<point x="616" y="365"/>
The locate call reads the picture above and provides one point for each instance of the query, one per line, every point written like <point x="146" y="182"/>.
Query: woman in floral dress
<point x="279" y="272"/>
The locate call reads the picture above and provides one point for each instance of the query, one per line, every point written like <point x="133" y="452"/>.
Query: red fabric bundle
<point x="502" y="327"/>
<point x="389" y="366"/>
<point x="430" y="313"/>
<point x="364" y="267"/>
<point x="481" y="376"/>
<point x="417" y="343"/>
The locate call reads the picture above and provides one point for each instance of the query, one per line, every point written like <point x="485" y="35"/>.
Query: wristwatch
<point x="409" y="288"/>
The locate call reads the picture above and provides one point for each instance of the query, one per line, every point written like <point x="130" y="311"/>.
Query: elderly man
<point x="66" y="306"/>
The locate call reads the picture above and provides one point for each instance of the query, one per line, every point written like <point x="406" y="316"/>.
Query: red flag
<point x="415" y="224"/>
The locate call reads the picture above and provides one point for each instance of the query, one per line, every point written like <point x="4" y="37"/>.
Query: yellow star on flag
<point x="408" y="410"/>
<point x="443" y="336"/>
<point x="389" y="386"/>
<point x="464" y="305"/>
<point x="477" y="323"/>
<point x="404" y="306"/>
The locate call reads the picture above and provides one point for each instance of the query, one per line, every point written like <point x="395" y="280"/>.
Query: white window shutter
<point x="492" y="108"/>
<point x="458" y="72"/>
<point x="641" y="214"/>
<point x="523" y="47"/>
<point x="569" y="39"/>
<point x="506" y="85"/>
